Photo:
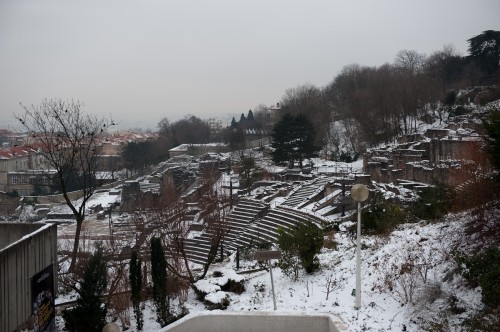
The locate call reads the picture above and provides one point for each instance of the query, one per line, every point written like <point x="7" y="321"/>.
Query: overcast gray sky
<point x="140" y="61"/>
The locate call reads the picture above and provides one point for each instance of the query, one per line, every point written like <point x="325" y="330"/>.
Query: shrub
<point x="220" y="304"/>
<point x="406" y="273"/>
<point x="345" y="156"/>
<point x="299" y="246"/>
<point x="457" y="111"/>
<point x="382" y="216"/>
<point x="485" y="320"/>
<point x="13" y="193"/>
<point x="332" y="227"/>
<point x="433" y="203"/>
<point x="233" y="286"/>
<point x="348" y="156"/>
<point x="329" y="241"/>
<point x="200" y="295"/>
<point x="492" y="126"/>
<point x="483" y="269"/>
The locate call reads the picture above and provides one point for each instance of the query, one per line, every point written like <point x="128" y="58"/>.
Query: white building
<point x="216" y="125"/>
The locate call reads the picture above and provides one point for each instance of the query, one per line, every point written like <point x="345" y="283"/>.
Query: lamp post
<point x="359" y="193"/>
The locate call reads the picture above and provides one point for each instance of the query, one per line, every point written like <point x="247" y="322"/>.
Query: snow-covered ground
<point x="392" y="299"/>
<point x="382" y="309"/>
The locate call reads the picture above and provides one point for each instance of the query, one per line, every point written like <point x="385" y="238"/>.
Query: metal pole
<point x="272" y="282"/>
<point x="343" y="202"/>
<point x="231" y="192"/>
<point x="237" y="258"/>
<point x="358" y="261"/>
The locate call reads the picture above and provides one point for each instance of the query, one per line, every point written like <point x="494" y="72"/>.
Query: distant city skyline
<point x="141" y="61"/>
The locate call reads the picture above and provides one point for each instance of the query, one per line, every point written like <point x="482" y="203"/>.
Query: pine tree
<point x="159" y="274"/>
<point x="282" y="140"/>
<point x="135" y="278"/>
<point x="89" y="314"/>
<point x="250" y="116"/>
<point x="242" y="119"/>
<point x="304" y="132"/>
<point x="293" y="139"/>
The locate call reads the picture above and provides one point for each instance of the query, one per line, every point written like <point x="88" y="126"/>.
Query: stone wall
<point x="453" y="149"/>
<point x="442" y="159"/>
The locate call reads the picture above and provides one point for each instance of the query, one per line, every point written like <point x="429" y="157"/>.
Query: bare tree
<point x="410" y="60"/>
<point x="189" y="130"/>
<point x="215" y="203"/>
<point x="406" y="271"/>
<point x="219" y="227"/>
<point x="310" y="101"/>
<point x="444" y="69"/>
<point x="70" y="141"/>
<point x="411" y="87"/>
<point x="168" y="222"/>
<point x="331" y="284"/>
<point x="262" y="116"/>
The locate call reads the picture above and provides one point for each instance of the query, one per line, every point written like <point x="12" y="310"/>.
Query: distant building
<point x="110" y="153"/>
<point x="274" y="113"/>
<point x="216" y="125"/>
<point x="9" y="138"/>
<point x="21" y="171"/>
<point x="24" y="169"/>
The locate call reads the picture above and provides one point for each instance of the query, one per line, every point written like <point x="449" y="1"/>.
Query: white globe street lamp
<point x="359" y="193"/>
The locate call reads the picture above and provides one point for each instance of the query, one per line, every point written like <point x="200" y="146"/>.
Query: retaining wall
<point x="25" y="250"/>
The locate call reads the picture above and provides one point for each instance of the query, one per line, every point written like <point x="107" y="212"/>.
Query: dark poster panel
<point x="44" y="312"/>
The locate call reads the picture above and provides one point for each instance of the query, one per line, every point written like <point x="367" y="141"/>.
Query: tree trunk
<point x="74" y="254"/>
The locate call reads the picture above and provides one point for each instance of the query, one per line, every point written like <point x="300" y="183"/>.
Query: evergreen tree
<point x="89" y="314"/>
<point x="233" y="123"/>
<point x="250" y="116"/>
<point x="290" y="263"/>
<point x="283" y="140"/>
<point x="299" y="246"/>
<point x="485" y="49"/>
<point x="492" y="126"/>
<point x="293" y="139"/>
<point x="304" y="133"/>
<point x="159" y="274"/>
<point x="135" y="278"/>
<point x="242" y="119"/>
